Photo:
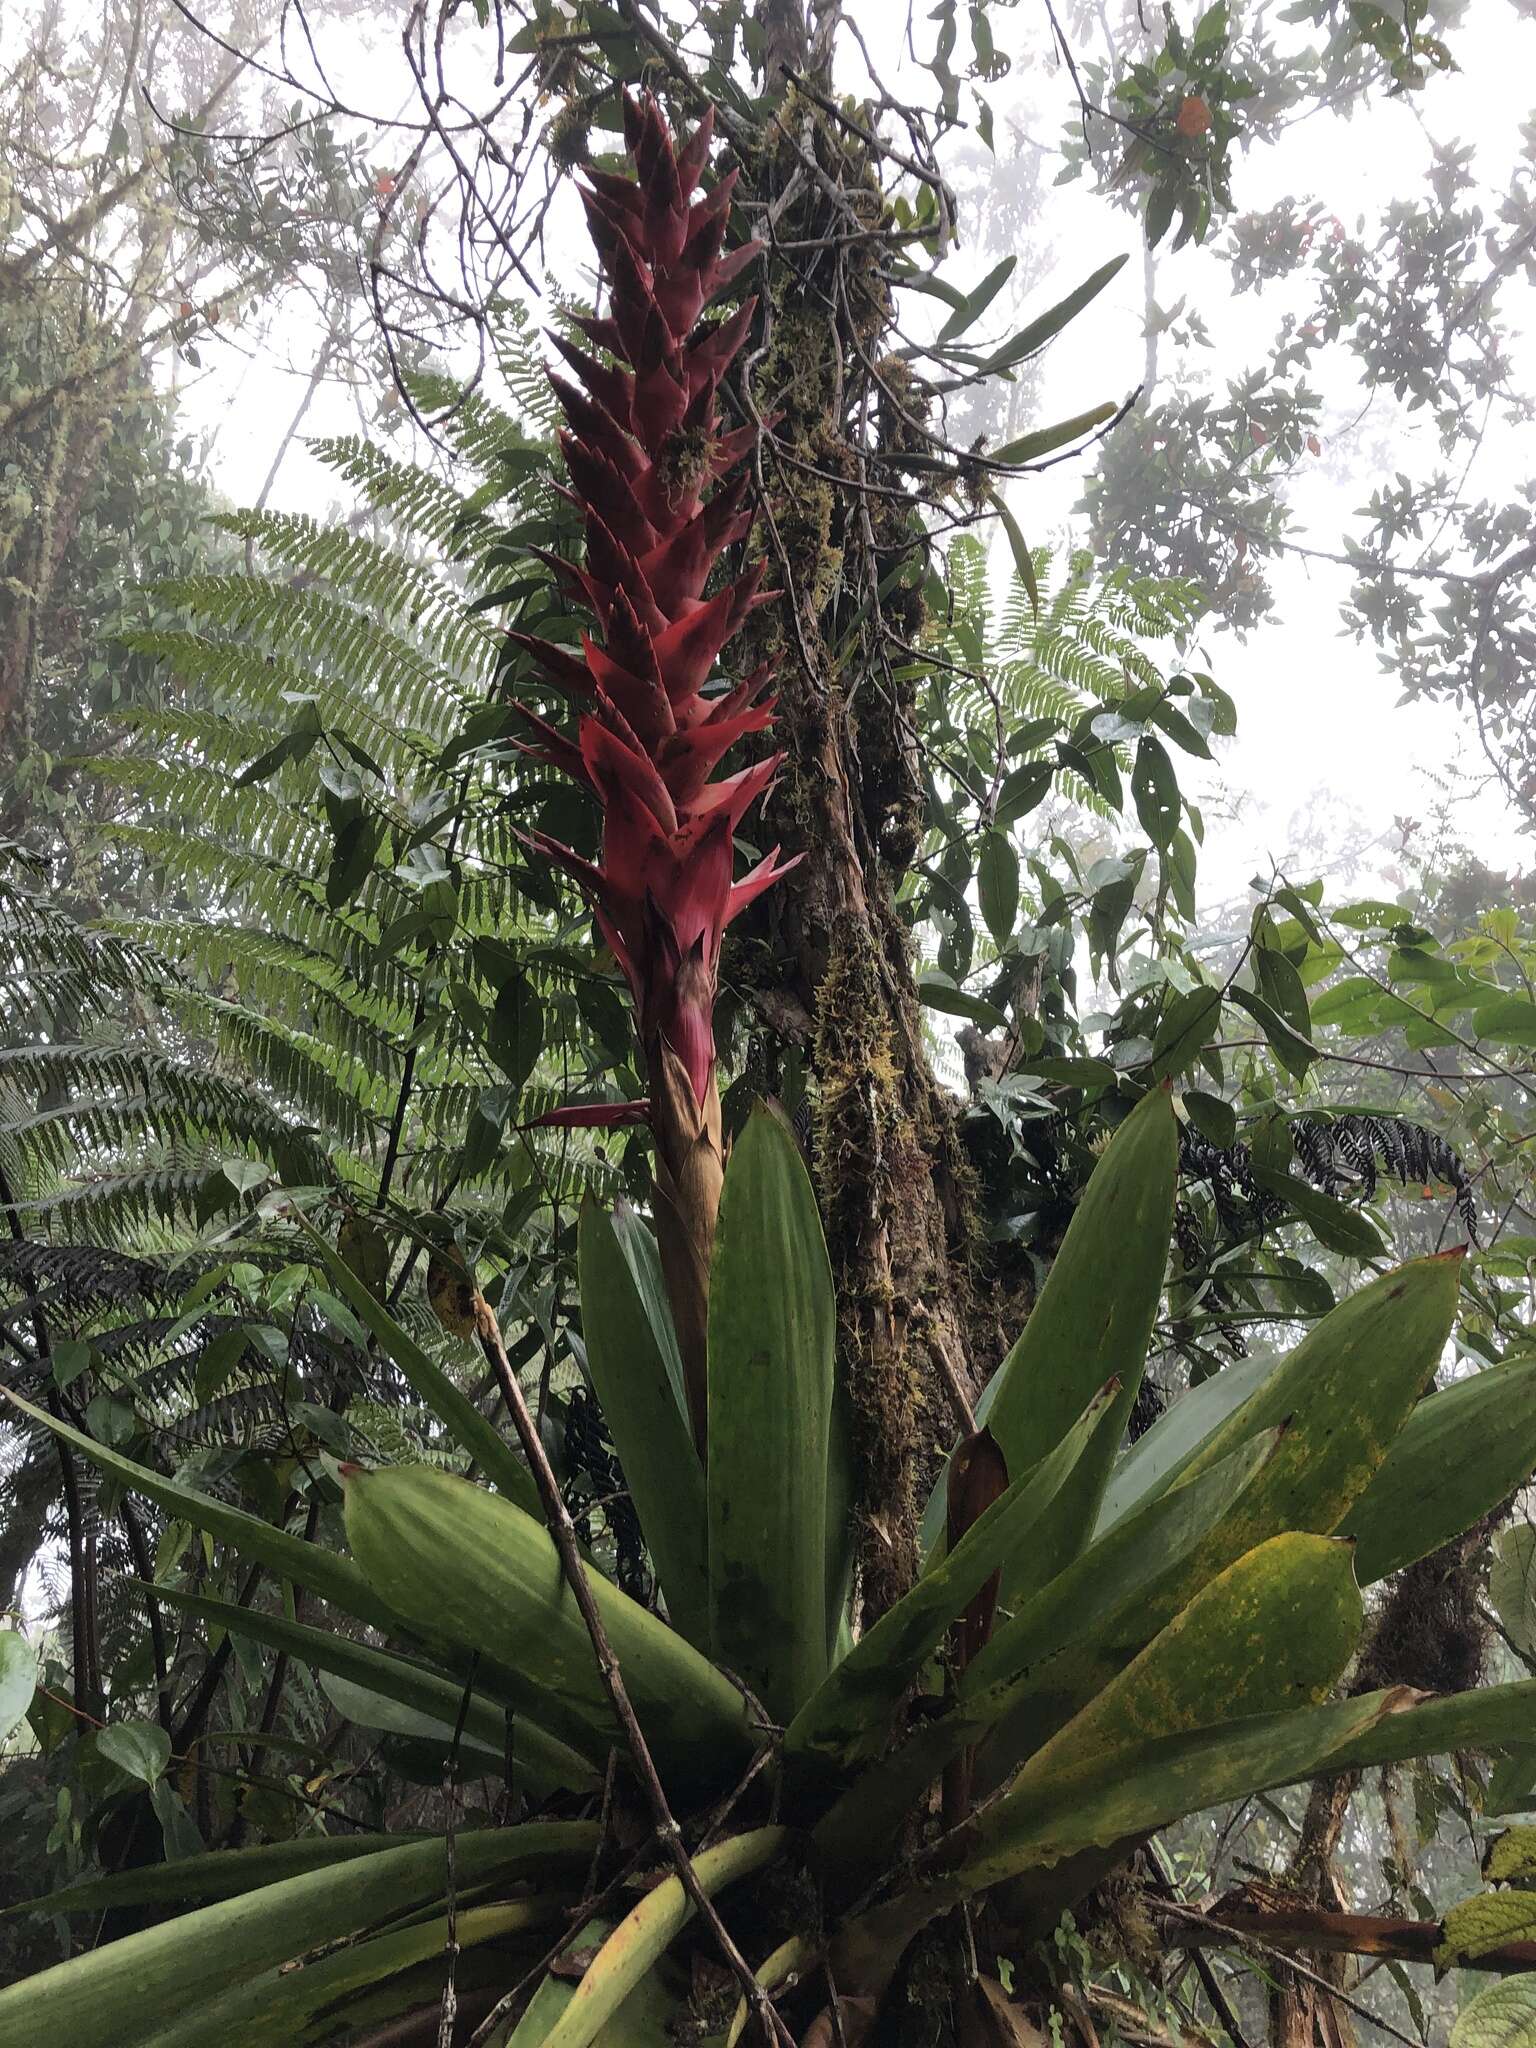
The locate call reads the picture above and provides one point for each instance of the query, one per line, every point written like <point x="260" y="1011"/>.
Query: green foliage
<point x="1202" y="1685"/>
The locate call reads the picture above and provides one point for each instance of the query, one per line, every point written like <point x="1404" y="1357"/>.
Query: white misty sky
<point x="1322" y="742"/>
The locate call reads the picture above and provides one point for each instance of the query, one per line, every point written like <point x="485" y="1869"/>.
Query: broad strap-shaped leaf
<point x="219" y="1874"/>
<point x="640" y="1940"/>
<point x="150" y="1978"/>
<point x="1157" y="1456"/>
<point x="848" y="1715"/>
<point x="1120" y="1571"/>
<point x="642" y="2020"/>
<point x="1103" y="1801"/>
<point x="461" y="1565"/>
<point x="1275" y="1628"/>
<point x="471" y="1431"/>
<point x="1054" y="1656"/>
<point x="1092" y="1322"/>
<point x="1111" y="1799"/>
<point x="546" y="1762"/>
<point x="644" y="1261"/>
<point x="1459" y="1454"/>
<point x="772" y="1349"/>
<point x="1346" y="1391"/>
<point x="330" y="1997"/>
<point x="649" y="1429"/>
<point x="322" y="1571"/>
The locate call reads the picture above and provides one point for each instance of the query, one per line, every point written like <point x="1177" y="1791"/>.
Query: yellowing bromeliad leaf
<point x="1461" y="1452"/>
<point x="1345" y="1391"/>
<point x="1477" y="1925"/>
<point x="1274" y="1629"/>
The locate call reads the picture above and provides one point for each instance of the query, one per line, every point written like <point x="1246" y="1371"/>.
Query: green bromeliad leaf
<point x="1460" y="1453"/>
<point x="390" y="1972"/>
<point x="146" y="1980"/>
<point x="848" y="1715"/>
<point x="1092" y="1322"/>
<point x="772" y="1351"/>
<point x="1060" y="1650"/>
<point x="649" y="1429"/>
<point x="463" y="1566"/>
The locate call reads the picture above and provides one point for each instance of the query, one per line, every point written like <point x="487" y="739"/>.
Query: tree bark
<point x="829" y="964"/>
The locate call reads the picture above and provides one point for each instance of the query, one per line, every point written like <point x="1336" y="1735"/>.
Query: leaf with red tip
<point x="590" y="1116"/>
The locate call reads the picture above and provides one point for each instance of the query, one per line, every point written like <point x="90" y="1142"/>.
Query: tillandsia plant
<point x="1100" y="1643"/>
<point x="663" y="495"/>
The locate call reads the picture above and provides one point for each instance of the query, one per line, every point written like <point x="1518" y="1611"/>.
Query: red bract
<point x="663" y="497"/>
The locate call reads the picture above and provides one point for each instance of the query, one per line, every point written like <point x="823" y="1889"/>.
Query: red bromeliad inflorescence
<point x="663" y="493"/>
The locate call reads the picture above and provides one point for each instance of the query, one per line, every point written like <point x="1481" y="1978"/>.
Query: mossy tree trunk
<point x="830" y="964"/>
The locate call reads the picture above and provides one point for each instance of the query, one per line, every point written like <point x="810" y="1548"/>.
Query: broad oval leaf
<point x="18" y="1680"/>
<point x="1502" y="2016"/>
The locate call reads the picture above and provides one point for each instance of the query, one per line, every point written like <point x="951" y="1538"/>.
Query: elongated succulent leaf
<point x="772" y="1344"/>
<point x="220" y="1874"/>
<point x="320" y="2002"/>
<point x="649" y="1430"/>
